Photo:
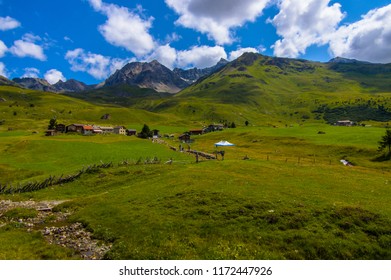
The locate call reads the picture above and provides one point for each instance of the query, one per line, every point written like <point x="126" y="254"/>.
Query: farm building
<point x="344" y="123"/>
<point x="50" y="132"/>
<point x="107" y="129"/>
<point x="75" y="128"/>
<point x="61" y="128"/>
<point x="196" y="131"/>
<point x="185" y="137"/>
<point x="131" y="132"/>
<point x="88" y="129"/>
<point x="120" y="130"/>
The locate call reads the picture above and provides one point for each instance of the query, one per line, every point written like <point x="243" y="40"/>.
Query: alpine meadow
<point x="304" y="179"/>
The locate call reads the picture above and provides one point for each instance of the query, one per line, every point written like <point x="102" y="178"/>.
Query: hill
<point x="261" y="88"/>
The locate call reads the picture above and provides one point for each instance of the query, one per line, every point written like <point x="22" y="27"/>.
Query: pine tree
<point x="385" y="141"/>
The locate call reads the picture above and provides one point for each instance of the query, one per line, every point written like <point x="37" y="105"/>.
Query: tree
<point x="246" y="123"/>
<point x="52" y="123"/>
<point x="145" y="132"/>
<point x="385" y="141"/>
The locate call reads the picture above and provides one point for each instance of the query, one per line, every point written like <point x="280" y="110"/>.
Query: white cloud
<point x="217" y="18"/>
<point x="8" y="23"/>
<point x="26" y="47"/>
<point x="125" y="28"/>
<point x="200" y="56"/>
<point x="3" y="70"/>
<point x="3" y="48"/>
<point x="53" y="76"/>
<point x="31" y="73"/>
<point x="166" y="55"/>
<point x="97" y="65"/>
<point x="235" y="54"/>
<point x="302" y="23"/>
<point x="368" y="39"/>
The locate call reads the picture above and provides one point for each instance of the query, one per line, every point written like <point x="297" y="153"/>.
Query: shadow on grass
<point x="383" y="157"/>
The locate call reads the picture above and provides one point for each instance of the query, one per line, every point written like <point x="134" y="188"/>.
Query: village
<point x="91" y="129"/>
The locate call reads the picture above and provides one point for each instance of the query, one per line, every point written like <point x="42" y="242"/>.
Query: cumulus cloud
<point x="302" y="23"/>
<point x="96" y="65"/>
<point x="235" y="54"/>
<point x="53" y="76"/>
<point x="368" y="39"/>
<point x="200" y="56"/>
<point x="31" y="72"/>
<point x="3" y="70"/>
<point x="125" y="28"/>
<point x="3" y="48"/>
<point x="27" y="47"/>
<point x="8" y="23"/>
<point x="166" y="55"/>
<point x="217" y="18"/>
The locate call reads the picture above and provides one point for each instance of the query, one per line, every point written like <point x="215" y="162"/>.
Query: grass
<point x="292" y="199"/>
<point x="231" y="209"/>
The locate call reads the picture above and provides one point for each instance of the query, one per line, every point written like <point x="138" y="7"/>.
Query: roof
<point x="76" y="124"/>
<point x="88" y="127"/>
<point x="119" y="127"/>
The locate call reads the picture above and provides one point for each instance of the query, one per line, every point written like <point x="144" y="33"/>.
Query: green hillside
<point x="32" y="110"/>
<point x="281" y="192"/>
<point x="269" y="89"/>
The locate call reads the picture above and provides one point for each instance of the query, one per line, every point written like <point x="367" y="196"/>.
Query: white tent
<point x="223" y="144"/>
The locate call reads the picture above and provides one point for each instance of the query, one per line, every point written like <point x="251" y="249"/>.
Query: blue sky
<point x="89" y="39"/>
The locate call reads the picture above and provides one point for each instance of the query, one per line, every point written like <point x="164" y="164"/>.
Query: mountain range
<point x="253" y="88"/>
<point x="152" y="75"/>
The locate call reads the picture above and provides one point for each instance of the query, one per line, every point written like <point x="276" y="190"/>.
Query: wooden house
<point x="78" y="128"/>
<point x="61" y="128"/>
<point x="131" y="132"/>
<point x="185" y="137"/>
<point x="50" y="132"/>
<point x="196" y="131"/>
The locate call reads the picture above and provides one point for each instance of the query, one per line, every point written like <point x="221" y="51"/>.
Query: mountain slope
<point x="151" y="75"/>
<point x="262" y="88"/>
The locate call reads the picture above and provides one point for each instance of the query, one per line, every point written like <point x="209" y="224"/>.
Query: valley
<point x="281" y="192"/>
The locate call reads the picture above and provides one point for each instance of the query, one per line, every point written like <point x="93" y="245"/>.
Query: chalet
<point x="107" y="129"/>
<point x="61" y="128"/>
<point x="87" y="129"/>
<point x="120" y="130"/>
<point x="185" y="137"/>
<point x="344" y="123"/>
<point x="97" y="129"/>
<point x="196" y="131"/>
<point x="78" y="128"/>
<point x="131" y="132"/>
<point x="213" y="127"/>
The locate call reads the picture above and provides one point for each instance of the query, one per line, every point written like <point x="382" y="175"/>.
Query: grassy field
<point x="292" y="199"/>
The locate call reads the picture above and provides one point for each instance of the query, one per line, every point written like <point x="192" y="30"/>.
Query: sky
<point x="88" y="40"/>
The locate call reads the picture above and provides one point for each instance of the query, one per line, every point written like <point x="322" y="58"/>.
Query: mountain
<point x="70" y="86"/>
<point x="5" y="82"/>
<point x="260" y="88"/>
<point x="151" y="75"/>
<point x="34" y="83"/>
<point x="192" y="75"/>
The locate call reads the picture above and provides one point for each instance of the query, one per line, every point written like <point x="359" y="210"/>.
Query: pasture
<point x="292" y="199"/>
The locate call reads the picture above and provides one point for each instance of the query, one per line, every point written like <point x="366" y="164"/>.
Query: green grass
<point x="262" y="208"/>
<point x="292" y="199"/>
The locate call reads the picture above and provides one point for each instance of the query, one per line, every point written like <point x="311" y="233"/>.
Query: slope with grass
<point x="260" y="89"/>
